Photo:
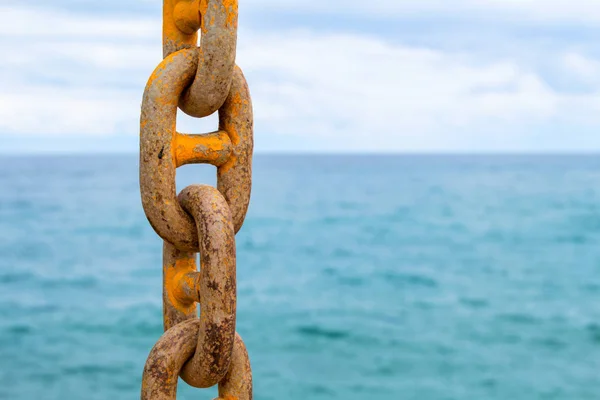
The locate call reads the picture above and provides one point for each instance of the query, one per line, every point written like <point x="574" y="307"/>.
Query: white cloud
<point x="529" y="10"/>
<point x="33" y="22"/>
<point x="46" y="111"/>
<point x="582" y="67"/>
<point x="357" y="91"/>
<point x="362" y="89"/>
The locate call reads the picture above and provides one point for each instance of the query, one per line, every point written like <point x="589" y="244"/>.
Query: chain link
<point x="204" y="350"/>
<point x="217" y="20"/>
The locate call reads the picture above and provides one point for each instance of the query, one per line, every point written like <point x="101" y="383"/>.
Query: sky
<point x="325" y="76"/>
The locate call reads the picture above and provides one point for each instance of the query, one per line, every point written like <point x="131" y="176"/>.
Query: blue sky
<point x="341" y="76"/>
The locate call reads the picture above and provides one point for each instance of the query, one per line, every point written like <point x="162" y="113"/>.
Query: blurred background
<point x="425" y="217"/>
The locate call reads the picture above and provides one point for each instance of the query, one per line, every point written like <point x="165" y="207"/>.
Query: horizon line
<point x="329" y="153"/>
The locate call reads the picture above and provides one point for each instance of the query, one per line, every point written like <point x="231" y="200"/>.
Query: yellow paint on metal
<point x="171" y="31"/>
<point x="212" y="148"/>
<point x="231" y="8"/>
<point x="202" y="9"/>
<point x="175" y="277"/>
<point x="187" y="16"/>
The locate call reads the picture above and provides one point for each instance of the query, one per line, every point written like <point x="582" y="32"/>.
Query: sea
<point x="409" y="277"/>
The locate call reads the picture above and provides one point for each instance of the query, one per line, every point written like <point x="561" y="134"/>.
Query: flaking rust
<point x="216" y="56"/>
<point x="171" y="352"/>
<point x="217" y="290"/>
<point x="204" y="350"/>
<point x="162" y="149"/>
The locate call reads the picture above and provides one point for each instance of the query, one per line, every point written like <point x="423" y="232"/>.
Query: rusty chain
<point x="205" y="350"/>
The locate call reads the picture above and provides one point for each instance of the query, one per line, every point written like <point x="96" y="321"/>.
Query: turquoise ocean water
<point x="359" y="277"/>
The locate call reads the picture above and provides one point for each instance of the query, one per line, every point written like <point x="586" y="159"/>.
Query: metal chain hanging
<point x="206" y="350"/>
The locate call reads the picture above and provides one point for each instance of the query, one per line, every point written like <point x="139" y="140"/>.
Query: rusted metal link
<point x="234" y="178"/>
<point x="217" y="20"/>
<point x="200" y="80"/>
<point x="171" y="352"/>
<point x="237" y="384"/>
<point x="162" y="149"/>
<point x="216" y="287"/>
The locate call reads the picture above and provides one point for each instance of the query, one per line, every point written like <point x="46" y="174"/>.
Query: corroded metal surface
<point x="217" y="290"/>
<point x="204" y="350"/>
<point x="234" y="178"/>
<point x="181" y="285"/>
<point x="237" y="384"/>
<point x="217" y="20"/>
<point x="169" y="355"/>
<point x="157" y="156"/>
<point x="162" y="149"/>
